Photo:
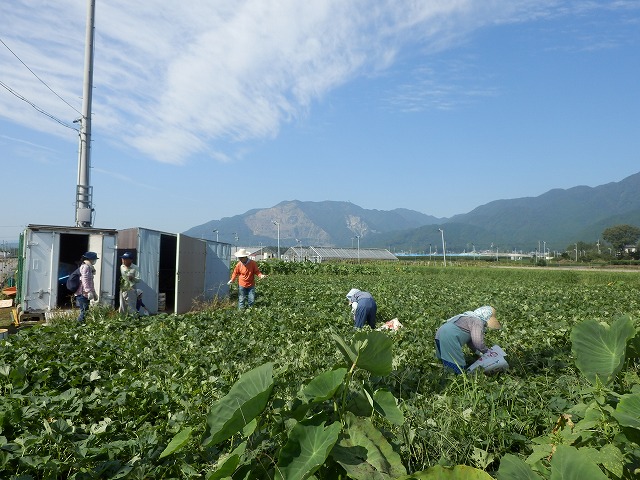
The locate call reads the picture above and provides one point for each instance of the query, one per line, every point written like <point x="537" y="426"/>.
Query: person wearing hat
<point x="129" y="276"/>
<point x="86" y="290"/>
<point x="246" y="271"/>
<point x="464" y="329"/>
<point x="363" y="307"/>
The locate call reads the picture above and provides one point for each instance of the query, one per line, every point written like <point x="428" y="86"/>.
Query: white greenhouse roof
<point x="319" y="254"/>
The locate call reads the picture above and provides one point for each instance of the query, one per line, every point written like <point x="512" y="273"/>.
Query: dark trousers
<point x="366" y="313"/>
<point x="82" y="303"/>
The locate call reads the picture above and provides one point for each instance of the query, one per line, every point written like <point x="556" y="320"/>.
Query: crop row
<point x="105" y="400"/>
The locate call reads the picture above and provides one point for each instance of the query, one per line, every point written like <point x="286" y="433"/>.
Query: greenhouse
<point x="325" y="254"/>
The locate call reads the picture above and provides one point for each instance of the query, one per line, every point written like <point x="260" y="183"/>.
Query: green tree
<point x="620" y="235"/>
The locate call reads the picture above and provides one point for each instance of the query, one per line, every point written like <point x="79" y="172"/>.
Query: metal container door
<point x="190" y="270"/>
<point x="40" y="272"/>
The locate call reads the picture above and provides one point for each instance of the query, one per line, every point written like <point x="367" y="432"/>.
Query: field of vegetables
<point x="289" y="390"/>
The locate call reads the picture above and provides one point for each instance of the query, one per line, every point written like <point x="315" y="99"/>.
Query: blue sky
<point x="207" y="109"/>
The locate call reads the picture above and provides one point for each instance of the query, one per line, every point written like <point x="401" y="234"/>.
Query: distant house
<point x="630" y="248"/>
<point x="327" y="254"/>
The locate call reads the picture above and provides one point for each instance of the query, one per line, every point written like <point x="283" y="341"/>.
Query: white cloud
<point x="175" y="79"/>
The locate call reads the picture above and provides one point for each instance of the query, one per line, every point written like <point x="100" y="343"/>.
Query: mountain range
<point x="557" y="218"/>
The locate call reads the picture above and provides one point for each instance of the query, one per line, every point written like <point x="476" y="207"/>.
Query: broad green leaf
<point x="385" y="404"/>
<point x="177" y="442"/>
<point x="364" y="452"/>
<point x="375" y="352"/>
<point x="459" y="472"/>
<point x="611" y="458"/>
<point x="249" y="428"/>
<point x="627" y="413"/>
<point x="569" y="463"/>
<point x="323" y="386"/>
<point x="350" y="355"/>
<point x="225" y="469"/>
<point x="360" y="403"/>
<point x="227" y="465"/>
<point x="599" y="349"/>
<point x="247" y="398"/>
<point x="307" y="448"/>
<point x="514" y="468"/>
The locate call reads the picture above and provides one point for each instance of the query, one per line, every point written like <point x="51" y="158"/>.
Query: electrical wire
<point x="35" y="75"/>
<point x="24" y="99"/>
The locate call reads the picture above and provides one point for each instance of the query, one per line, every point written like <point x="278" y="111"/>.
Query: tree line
<point x="621" y="242"/>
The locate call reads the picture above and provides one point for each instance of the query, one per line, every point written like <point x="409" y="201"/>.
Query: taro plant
<point x="332" y="429"/>
<point x="598" y="438"/>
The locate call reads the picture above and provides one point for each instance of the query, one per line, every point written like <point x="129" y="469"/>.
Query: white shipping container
<point x="50" y="253"/>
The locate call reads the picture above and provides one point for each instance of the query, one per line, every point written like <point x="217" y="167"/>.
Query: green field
<point x="150" y="397"/>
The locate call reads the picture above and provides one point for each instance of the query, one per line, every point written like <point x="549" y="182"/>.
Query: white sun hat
<point x="242" y="253"/>
<point x="351" y="293"/>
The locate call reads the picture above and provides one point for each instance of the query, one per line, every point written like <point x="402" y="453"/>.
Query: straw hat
<point x="241" y="253"/>
<point x="493" y="322"/>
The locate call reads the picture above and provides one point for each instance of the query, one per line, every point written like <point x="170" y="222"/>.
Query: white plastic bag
<point x="491" y="362"/>
<point x="391" y="325"/>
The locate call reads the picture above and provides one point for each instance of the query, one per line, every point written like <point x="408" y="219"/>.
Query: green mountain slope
<point x="556" y="219"/>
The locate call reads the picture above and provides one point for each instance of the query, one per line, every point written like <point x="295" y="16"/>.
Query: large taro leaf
<point x="459" y="472"/>
<point x="350" y="355"/>
<point x="246" y="400"/>
<point x="364" y="452"/>
<point x="627" y="412"/>
<point x="611" y="458"/>
<point x="599" y="349"/>
<point x="323" y="386"/>
<point x="569" y="463"/>
<point x="385" y="404"/>
<point x="513" y="468"/>
<point x="307" y="448"/>
<point x="370" y="351"/>
<point x="374" y="353"/>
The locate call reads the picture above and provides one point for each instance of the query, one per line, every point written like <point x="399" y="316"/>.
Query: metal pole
<point x="358" y="237"/>
<point x="216" y="232"/>
<point x="84" y="208"/>
<point x="444" y="251"/>
<point x="277" y="224"/>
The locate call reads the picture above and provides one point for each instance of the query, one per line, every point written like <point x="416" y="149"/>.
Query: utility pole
<point x="299" y="242"/>
<point x="277" y="224"/>
<point x="444" y="250"/>
<point x="84" y="191"/>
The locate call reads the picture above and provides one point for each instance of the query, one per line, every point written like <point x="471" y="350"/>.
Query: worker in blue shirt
<point x="364" y="308"/>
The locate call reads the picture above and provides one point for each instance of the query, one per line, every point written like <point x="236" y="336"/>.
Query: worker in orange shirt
<point x="246" y="271"/>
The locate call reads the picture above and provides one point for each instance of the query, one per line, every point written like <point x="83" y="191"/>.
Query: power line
<point x="24" y="99"/>
<point x="34" y="74"/>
